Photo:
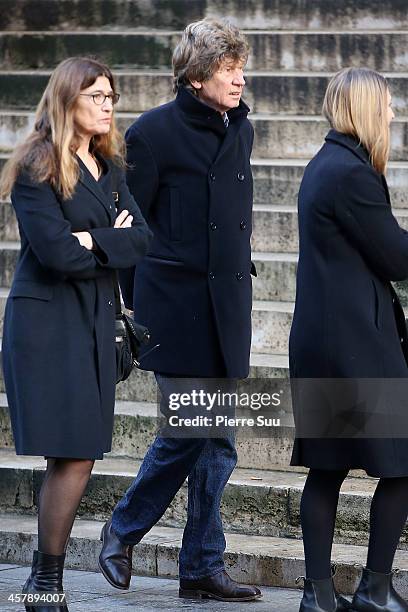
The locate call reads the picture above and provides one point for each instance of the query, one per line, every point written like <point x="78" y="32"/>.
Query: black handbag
<point x="129" y="337"/>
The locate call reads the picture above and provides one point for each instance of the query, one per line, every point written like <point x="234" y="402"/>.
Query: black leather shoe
<point x="376" y="593"/>
<point x="46" y="578"/>
<point x="115" y="559"/>
<point x="321" y="596"/>
<point x="220" y="587"/>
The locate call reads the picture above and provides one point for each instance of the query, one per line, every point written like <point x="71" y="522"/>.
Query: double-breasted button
<point x="243" y="225"/>
<point x="211" y="275"/>
<point x="241" y="176"/>
<point x="239" y="276"/>
<point x="213" y="225"/>
<point x="110" y="303"/>
<point x="212" y="176"/>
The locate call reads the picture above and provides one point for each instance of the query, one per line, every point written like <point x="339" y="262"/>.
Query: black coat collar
<point x="200" y="113"/>
<point x="94" y="186"/>
<point x="349" y="142"/>
<point x="355" y="147"/>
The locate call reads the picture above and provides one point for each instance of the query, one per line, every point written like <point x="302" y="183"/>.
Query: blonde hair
<point x="356" y="104"/>
<point x="48" y="152"/>
<point x="203" y="47"/>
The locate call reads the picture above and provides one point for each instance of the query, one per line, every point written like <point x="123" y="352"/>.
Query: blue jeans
<point x="208" y="463"/>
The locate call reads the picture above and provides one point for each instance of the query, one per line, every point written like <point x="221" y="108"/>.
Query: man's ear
<point x="196" y="84"/>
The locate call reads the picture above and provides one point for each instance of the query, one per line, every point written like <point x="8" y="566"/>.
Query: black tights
<point x="61" y="493"/>
<point x="388" y="513"/>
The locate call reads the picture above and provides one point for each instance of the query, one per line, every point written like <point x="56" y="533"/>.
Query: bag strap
<point x="118" y="305"/>
<point x="115" y="183"/>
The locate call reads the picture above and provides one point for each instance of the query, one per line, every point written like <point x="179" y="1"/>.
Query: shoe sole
<point x="186" y="594"/>
<point x="116" y="586"/>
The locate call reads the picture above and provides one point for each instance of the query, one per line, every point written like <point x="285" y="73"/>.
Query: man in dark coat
<point x="190" y="174"/>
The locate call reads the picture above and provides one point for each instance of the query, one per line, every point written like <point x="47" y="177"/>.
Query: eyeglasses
<point x="100" y="98"/>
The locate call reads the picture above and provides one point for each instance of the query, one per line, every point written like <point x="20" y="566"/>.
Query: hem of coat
<point x="183" y="372"/>
<point x="340" y="467"/>
<point x="97" y="456"/>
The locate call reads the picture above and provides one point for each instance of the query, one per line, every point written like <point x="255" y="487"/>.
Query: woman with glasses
<point x="78" y="223"/>
<point x="348" y="342"/>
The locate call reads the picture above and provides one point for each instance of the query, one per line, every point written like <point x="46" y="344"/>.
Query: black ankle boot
<point x="376" y="593"/>
<point x="321" y="596"/>
<point x="46" y="578"/>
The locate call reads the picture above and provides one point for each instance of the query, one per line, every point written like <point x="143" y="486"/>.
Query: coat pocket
<point x="164" y="260"/>
<point x="175" y="215"/>
<point x="31" y="289"/>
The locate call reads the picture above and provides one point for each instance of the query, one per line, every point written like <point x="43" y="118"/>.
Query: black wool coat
<point x="58" y="344"/>
<point x="348" y="321"/>
<point x="192" y="179"/>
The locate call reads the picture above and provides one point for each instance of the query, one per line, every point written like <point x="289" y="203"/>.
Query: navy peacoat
<point x="348" y="321"/>
<point x="191" y="177"/>
<point x="58" y="345"/>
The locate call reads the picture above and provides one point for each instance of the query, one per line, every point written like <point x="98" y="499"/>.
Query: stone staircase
<point x="296" y="46"/>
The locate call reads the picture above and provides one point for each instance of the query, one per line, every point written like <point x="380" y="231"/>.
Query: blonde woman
<point x="58" y="346"/>
<point x="348" y="325"/>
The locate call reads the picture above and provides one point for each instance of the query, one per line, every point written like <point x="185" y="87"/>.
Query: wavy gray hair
<point x="203" y="47"/>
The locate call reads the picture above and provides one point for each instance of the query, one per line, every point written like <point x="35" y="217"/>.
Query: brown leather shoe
<point x="220" y="587"/>
<point x="115" y="559"/>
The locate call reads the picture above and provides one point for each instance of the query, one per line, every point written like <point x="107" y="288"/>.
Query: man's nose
<point x="239" y="79"/>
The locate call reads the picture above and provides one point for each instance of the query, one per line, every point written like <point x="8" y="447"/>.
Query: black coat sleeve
<point x="364" y="214"/>
<point x="142" y="175"/>
<point x="142" y="180"/>
<point x="48" y="232"/>
<point x="123" y="247"/>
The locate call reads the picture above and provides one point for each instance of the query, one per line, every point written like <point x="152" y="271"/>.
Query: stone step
<point x="249" y="559"/>
<point x="300" y="137"/>
<point x="255" y="502"/>
<point x="277" y="181"/>
<point x="136" y="423"/>
<point x="275" y="227"/>
<point x="293" y="93"/>
<point x="270" y="324"/>
<point x="276" y="136"/>
<point x="276" y="280"/>
<point x="285" y="50"/>
<point x="176" y="14"/>
<point x="141" y="387"/>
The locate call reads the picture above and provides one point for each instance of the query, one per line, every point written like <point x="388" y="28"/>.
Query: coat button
<point x="243" y="225"/>
<point x="239" y="276"/>
<point x="110" y="303"/>
<point x="213" y="225"/>
<point x="241" y="176"/>
<point x="211" y="275"/>
<point x="212" y="176"/>
<point x="402" y="340"/>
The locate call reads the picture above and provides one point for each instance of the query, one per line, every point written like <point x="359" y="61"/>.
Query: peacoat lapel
<point x="88" y="181"/>
<point x="202" y="115"/>
<point x="232" y="132"/>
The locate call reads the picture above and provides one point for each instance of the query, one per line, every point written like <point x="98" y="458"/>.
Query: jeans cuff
<point x="200" y="576"/>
